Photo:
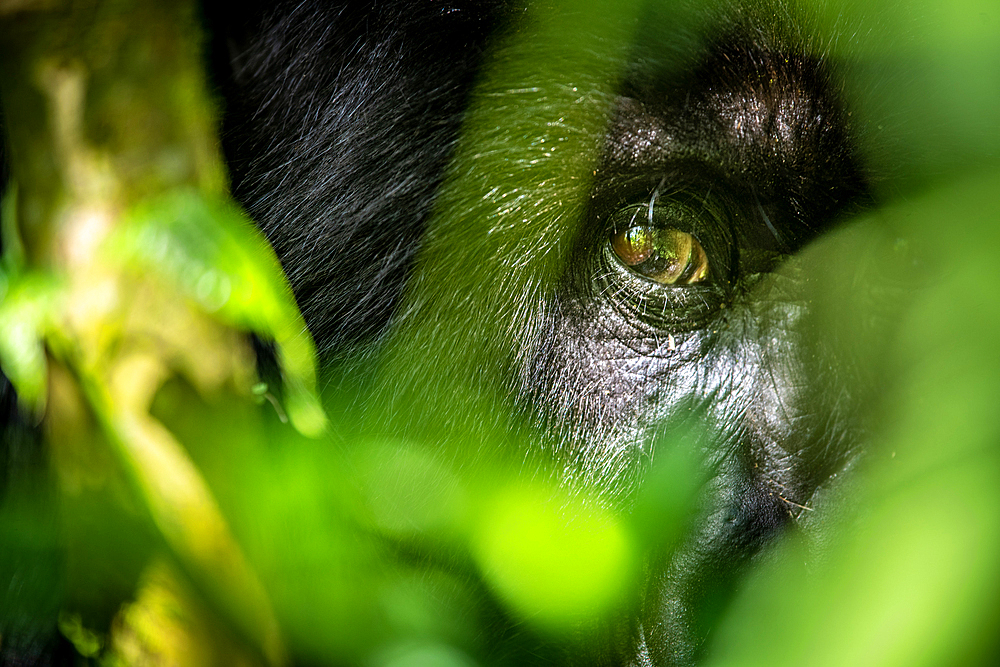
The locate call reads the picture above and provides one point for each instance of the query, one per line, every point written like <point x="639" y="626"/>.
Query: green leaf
<point x="211" y="252"/>
<point x="26" y="304"/>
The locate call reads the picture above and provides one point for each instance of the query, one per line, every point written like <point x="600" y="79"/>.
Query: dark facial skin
<point x="741" y="145"/>
<point x="752" y="145"/>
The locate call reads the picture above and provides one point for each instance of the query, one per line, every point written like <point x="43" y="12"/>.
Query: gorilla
<point x="571" y="235"/>
<point x="575" y="225"/>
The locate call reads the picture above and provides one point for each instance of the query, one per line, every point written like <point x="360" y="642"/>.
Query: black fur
<point x="340" y="196"/>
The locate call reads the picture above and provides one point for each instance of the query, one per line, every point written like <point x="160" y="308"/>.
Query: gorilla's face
<point x="708" y="183"/>
<point x="577" y="227"/>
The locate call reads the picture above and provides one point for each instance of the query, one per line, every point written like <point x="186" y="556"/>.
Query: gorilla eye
<point x="662" y="254"/>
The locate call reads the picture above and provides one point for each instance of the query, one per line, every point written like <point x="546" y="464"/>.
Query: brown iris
<point x="664" y="254"/>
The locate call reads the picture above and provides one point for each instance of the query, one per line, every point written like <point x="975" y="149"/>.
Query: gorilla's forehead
<point x="740" y="107"/>
<point x="731" y="119"/>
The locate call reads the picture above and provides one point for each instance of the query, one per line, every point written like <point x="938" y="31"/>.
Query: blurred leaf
<point x="28" y="303"/>
<point x="911" y="577"/>
<point x="213" y="254"/>
<point x="558" y="562"/>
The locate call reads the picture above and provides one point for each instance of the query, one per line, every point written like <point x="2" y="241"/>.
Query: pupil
<point x="673" y="252"/>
